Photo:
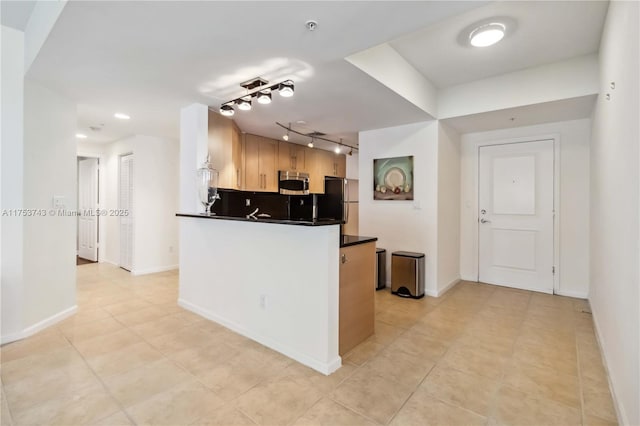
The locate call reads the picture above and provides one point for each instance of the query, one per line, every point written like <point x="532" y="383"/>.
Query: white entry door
<point x="125" y="203"/>
<point x="88" y="206"/>
<point x="516" y="214"/>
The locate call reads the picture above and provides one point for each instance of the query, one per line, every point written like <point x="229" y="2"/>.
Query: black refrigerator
<point x="340" y="202"/>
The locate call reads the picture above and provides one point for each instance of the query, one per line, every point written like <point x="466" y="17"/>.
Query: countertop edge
<point x="261" y="220"/>
<point x="355" y="240"/>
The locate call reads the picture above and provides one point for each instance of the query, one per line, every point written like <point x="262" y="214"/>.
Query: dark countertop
<point x="263" y="220"/>
<point x="352" y="240"/>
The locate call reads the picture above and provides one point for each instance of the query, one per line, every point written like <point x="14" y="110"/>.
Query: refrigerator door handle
<point x="346" y="200"/>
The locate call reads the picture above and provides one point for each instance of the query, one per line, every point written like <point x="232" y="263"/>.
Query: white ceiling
<point x="16" y="14"/>
<point x="150" y="59"/>
<point x="547" y="31"/>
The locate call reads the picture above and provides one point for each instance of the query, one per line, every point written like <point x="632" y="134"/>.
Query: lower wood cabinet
<point x="357" y="304"/>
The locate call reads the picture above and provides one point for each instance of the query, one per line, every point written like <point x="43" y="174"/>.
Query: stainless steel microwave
<point x="293" y="183"/>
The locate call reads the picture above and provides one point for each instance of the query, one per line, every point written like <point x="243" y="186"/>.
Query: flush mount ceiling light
<point x="121" y="116"/>
<point x="487" y="32"/>
<point x="487" y="35"/>
<point x="81" y="136"/>
<point x="260" y="89"/>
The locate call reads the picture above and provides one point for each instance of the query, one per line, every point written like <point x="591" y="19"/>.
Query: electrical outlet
<point x="263" y="301"/>
<point x="59" y="202"/>
<point x="247" y="202"/>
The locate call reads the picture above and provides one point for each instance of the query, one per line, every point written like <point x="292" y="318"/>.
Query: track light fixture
<point x="314" y="136"/>
<point x="260" y="89"/>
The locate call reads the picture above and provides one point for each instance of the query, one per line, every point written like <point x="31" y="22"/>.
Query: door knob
<point x="483" y="220"/>
<point x="483" y="211"/>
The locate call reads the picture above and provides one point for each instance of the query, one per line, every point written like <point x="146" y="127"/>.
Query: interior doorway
<point x="88" y="207"/>
<point x="516" y="215"/>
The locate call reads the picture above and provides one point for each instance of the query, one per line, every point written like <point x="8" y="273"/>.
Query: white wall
<point x="560" y="80"/>
<point x="403" y="225"/>
<point x="49" y="170"/>
<point x="353" y="171"/>
<point x="573" y="139"/>
<point x="227" y="267"/>
<point x="155" y="180"/>
<point x="11" y="157"/>
<point x="614" y="294"/>
<point x="448" y="207"/>
<point x="155" y="204"/>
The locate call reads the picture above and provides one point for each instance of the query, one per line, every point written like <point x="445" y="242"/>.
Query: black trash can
<point x="407" y="274"/>
<point x="381" y="268"/>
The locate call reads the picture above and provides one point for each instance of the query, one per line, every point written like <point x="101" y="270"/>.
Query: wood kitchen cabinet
<point x="291" y="157"/>
<point x="356" y="303"/>
<point x="260" y="160"/>
<point x="325" y="163"/>
<point x="225" y="149"/>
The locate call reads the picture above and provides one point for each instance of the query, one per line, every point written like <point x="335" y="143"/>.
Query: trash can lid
<point x="407" y="254"/>
<point x="380" y="250"/>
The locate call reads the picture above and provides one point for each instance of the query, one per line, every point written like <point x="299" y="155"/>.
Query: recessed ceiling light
<point x="121" y="116"/>
<point x="81" y="136"/>
<point x="487" y="32"/>
<point x="487" y="35"/>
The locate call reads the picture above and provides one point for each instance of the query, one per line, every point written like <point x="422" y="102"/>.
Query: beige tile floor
<point x="479" y="355"/>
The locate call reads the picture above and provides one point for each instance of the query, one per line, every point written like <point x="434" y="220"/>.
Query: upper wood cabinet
<point x="325" y="163"/>
<point x="225" y="149"/>
<point x="260" y="160"/>
<point x="291" y="157"/>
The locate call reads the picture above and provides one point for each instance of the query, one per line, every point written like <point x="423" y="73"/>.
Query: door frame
<point x="556" y="198"/>
<point x="102" y="224"/>
<point x="133" y="224"/>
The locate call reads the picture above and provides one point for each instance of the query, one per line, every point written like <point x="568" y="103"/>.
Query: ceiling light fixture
<point x="244" y="103"/>
<point x="286" y="89"/>
<point x="264" y="97"/>
<point x="260" y="89"/>
<point x="227" y="110"/>
<point x="487" y="35"/>
<point x="121" y="116"/>
<point x="317" y="135"/>
<point x="487" y="32"/>
<point x="286" y="135"/>
<point x="81" y="136"/>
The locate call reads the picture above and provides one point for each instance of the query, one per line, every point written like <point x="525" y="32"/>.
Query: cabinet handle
<point x="238" y="178"/>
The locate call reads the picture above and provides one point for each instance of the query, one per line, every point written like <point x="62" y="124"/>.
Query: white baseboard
<point x="577" y="294"/>
<point x="39" y="326"/>
<point x="324" y="368"/>
<point x="154" y="270"/>
<point x="473" y="278"/>
<point x="443" y="290"/>
<point x="108" y="261"/>
<point x="622" y="417"/>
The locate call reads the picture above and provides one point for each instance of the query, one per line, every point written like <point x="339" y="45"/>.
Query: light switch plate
<point x="59" y="202"/>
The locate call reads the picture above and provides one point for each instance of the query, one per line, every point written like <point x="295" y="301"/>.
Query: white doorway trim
<point x="102" y="196"/>
<point x="556" y="198"/>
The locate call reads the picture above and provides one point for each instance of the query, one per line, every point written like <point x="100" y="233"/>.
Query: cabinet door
<point x="285" y="158"/>
<point x="298" y="155"/>
<point x="236" y="157"/>
<point x="267" y="164"/>
<point x="317" y="169"/>
<point x="252" y="176"/>
<point x="340" y="161"/>
<point x="357" y="305"/>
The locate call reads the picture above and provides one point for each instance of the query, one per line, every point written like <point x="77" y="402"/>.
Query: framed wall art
<point x="393" y="178"/>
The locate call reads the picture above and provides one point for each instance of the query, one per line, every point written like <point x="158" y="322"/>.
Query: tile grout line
<point x="104" y="386"/>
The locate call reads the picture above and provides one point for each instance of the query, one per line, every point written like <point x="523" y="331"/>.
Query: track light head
<point x="264" y="97"/>
<point x="244" y="104"/>
<point x="286" y="89"/>
<point x="337" y="149"/>
<point x="310" y="144"/>
<point x="286" y="137"/>
<point x="227" y="110"/>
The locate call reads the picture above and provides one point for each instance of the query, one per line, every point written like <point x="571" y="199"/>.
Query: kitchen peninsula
<point x="276" y="282"/>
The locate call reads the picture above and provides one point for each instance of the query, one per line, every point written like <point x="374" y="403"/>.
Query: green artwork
<point x="393" y="178"/>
